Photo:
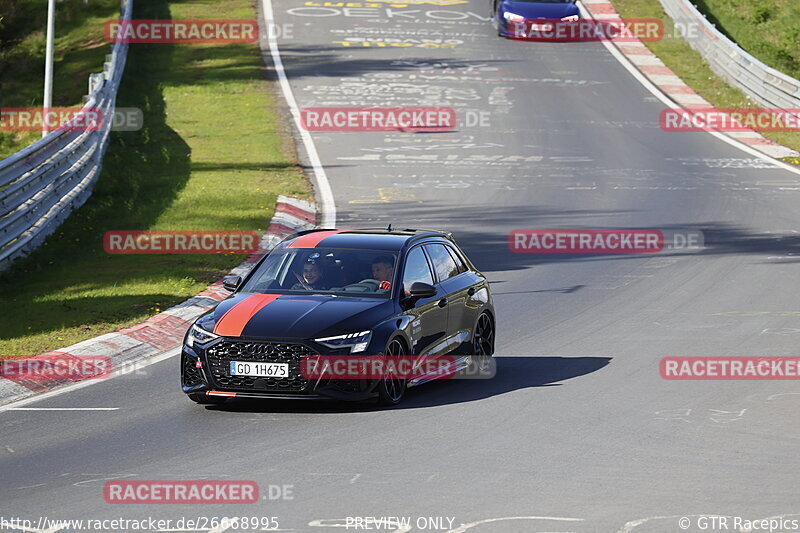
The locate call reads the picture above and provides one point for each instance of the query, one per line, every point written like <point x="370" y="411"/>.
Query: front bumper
<point x="205" y="369"/>
<point x="540" y="30"/>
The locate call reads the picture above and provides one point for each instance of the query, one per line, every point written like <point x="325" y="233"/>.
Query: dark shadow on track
<point x="513" y="373"/>
<point x="490" y="252"/>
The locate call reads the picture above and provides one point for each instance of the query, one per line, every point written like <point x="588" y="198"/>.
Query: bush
<point x="8" y="11"/>
<point x="18" y="18"/>
<point x="760" y="13"/>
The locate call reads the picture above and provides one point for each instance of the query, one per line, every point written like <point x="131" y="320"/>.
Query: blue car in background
<point x="507" y="15"/>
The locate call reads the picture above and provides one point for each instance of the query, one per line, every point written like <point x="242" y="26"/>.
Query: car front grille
<point x="221" y="354"/>
<point x="191" y="375"/>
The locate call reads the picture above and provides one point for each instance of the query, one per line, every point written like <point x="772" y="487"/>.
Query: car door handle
<point x="471" y="291"/>
<point x="442" y="302"/>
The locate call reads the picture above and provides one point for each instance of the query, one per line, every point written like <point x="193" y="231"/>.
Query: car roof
<point x="366" y="239"/>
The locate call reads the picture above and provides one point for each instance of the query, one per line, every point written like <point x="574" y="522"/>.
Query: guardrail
<point x="760" y="82"/>
<point x="43" y="183"/>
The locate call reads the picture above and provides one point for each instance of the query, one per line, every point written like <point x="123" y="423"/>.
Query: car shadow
<point x="513" y="373"/>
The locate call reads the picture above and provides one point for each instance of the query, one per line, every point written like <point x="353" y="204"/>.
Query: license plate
<point x="259" y="370"/>
<point x="541" y="27"/>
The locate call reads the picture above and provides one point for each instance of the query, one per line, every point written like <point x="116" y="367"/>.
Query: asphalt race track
<point x="578" y="431"/>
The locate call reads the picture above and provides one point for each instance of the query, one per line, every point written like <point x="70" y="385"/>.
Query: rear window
<point x="462" y="267"/>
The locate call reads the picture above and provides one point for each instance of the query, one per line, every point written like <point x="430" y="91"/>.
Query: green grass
<point x="79" y="50"/>
<point x="768" y="29"/>
<point x="210" y="157"/>
<point x="692" y="68"/>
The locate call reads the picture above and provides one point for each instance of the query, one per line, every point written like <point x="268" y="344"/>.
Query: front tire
<point x="392" y="389"/>
<point x="496" y="25"/>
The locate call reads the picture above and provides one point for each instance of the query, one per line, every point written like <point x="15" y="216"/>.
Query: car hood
<point x="294" y="316"/>
<point x="540" y="10"/>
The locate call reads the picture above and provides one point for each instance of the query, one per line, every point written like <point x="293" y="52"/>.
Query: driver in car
<point x="313" y="278"/>
<point x="383" y="271"/>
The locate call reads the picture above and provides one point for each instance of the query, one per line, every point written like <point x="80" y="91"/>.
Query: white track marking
<point x="96" y="479"/>
<point x="774" y="396"/>
<point x="465" y="527"/>
<point x="126" y="369"/>
<point x="342" y="523"/>
<point x="327" y="207"/>
<point x="625" y="62"/>
<point x="64" y="409"/>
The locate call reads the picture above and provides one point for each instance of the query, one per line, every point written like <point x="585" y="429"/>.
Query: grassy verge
<point x="768" y="29"/>
<point x="692" y="68"/>
<point x="79" y="49"/>
<point x="210" y="157"/>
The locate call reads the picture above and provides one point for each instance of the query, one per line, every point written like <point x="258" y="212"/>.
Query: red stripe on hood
<point x="236" y="318"/>
<point x="311" y="240"/>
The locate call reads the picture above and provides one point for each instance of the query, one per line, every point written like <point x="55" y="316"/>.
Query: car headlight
<point x="571" y="18"/>
<point x="357" y="342"/>
<point x="512" y="17"/>
<point x="199" y="335"/>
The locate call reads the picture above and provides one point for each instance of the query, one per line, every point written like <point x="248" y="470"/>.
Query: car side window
<point x="462" y="267"/>
<point x="442" y="261"/>
<point x="417" y="269"/>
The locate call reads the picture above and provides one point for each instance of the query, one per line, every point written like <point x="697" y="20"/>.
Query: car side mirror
<point x="231" y="283"/>
<point x="420" y="290"/>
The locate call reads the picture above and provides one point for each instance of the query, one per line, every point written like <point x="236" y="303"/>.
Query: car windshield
<point x="341" y="272"/>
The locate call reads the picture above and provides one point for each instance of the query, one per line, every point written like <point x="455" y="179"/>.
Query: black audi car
<point x="405" y="293"/>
